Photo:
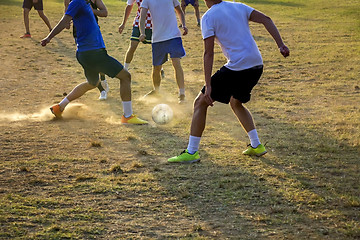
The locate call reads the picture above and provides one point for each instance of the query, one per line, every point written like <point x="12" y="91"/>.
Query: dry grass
<point x="88" y="177"/>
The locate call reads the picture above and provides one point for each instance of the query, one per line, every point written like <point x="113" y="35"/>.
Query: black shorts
<point x="98" y="61"/>
<point x="29" y="4"/>
<point x="226" y="83"/>
<point x="136" y="34"/>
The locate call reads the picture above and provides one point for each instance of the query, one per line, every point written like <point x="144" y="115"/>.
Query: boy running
<point x="166" y="39"/>
<point x="99" y="10"/>
<point x="228" y="23"/>
<point x="195" y="4"/>
<point x="93" y="57"/>
<point x="38" y="5"/>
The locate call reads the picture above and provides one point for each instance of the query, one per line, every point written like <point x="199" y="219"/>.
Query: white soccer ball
<point x="162" y="114"/>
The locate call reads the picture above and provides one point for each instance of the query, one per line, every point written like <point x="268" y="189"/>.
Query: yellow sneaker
<point x="133" y="119"/>
<point x="258" y="151"/>
<point x="185" y="157"/>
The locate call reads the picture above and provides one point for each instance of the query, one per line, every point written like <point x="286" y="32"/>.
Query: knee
<point x="127" y="77"/>
<point x="41" y="14"/>
<point x="200" y="102"/>
<point x="234" y="103"/>
<point x="157" y="69"/>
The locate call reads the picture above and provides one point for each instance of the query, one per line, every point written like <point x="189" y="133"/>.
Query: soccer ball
<point x="162" y="114"/>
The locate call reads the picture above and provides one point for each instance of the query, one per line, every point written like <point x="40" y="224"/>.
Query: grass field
<point x="88" y="177"/>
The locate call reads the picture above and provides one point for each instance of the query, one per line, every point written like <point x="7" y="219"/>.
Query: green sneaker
<point x="185" y="157"/>
<point x="258" y="151"/>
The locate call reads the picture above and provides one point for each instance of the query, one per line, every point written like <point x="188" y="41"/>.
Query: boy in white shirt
<point x="166" y="39"/>
<point x="228" y="24"/>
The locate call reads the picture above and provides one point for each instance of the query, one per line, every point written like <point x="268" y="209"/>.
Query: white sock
<point x="126" y="66"/>
<point x="181" y="91"/>
<point x="64" y="103"/>
<point x="157" y="89"/>
<point x="254" y="138"/>
<point x="193" y="145"/>
<point x="127" y="106"/>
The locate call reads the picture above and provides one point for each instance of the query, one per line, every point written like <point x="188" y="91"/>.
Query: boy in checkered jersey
<point x="166" y="40"/>
<point x="134" y="40"/>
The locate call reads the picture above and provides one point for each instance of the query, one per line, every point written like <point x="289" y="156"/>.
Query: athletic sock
<point x="64" y="103"/>
<point x="181" y="91"/>
<point x="127" y="106"/>
<point x="193" y="145"/>
<point x="126" y="66"/>
<point x="254" y="138"/>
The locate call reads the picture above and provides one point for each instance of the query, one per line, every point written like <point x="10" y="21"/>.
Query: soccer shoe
<point x="185" y="157"/>
<point x="133" y="119"/>
<point x="103" y="95"/>
<point x="56" y="110"/>
<point x="258" y="151"/>
<point x="181" y="98"/>
<point x="105" y="85"/>
<point x="26" y="35"/>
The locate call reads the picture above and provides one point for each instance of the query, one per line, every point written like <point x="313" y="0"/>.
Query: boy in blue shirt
<point x="93" y="57"/>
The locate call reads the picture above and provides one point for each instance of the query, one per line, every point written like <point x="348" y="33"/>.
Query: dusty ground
<point x="88" y="177"/>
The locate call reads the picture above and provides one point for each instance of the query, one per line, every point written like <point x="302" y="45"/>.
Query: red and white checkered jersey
<point x="148" y="23"/>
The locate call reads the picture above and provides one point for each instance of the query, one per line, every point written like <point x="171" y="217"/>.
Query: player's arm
<point x="143" y="14"/>
<point x="66" y="4"/>
<point x="65" y="21"/>
<point x="259" y="17"/>
<point x="181" y="16"/>
<point x="126" y="16"/>
<point x="101" y="10"/>
<point x="208" y="65"/>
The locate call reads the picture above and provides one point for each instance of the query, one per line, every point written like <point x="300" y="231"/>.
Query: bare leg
<point x="156" y="76"/>
<point x="79" y="90"/>
<point x="131" y="50"/>
<point x="179" y="73"/>
<point x="44" y="18"/>
<point x="125" y="85"/>
<point x="243" y="114"/>
<point x="197" y="13"/>
<point x="199" y="116"/>
<point x="26" y="20"/>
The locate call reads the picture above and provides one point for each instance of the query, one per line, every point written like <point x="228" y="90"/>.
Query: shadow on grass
<point x="307" y="186"/>
<point x="12" y="3"/>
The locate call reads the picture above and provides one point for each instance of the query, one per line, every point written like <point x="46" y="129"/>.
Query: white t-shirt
<point x="229" y="23"/>
<point x="164" y="21"/>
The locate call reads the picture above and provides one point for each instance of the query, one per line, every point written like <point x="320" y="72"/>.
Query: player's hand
<point x="284" y="50"/>
<point x="121" y="28"/>
<point x="44" y="42"/>
<point x="185" y="30"/>
<point x="142" y="38"/>
<point x="207" y="96"/>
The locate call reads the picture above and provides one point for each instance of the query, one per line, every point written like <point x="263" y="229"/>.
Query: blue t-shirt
<point x="88" y="32"/>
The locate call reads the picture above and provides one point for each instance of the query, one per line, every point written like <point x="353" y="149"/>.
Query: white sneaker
<point x="103" y="95"/>
<point x="105" y="85"/>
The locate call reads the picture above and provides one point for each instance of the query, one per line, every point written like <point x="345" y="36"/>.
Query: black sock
<point x="100" y="87"/>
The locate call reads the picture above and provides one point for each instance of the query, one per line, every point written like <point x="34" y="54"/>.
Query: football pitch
<point x="86" y="176"/>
